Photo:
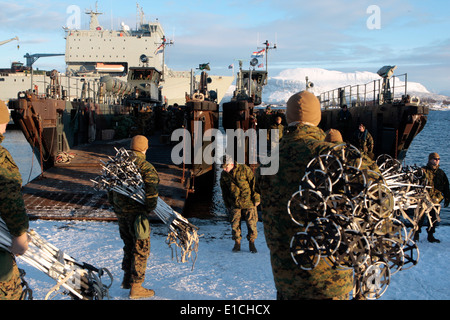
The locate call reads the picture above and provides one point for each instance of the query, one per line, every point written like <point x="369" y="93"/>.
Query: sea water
<point x="433" y="138"/>
<point x="22" y="153"/>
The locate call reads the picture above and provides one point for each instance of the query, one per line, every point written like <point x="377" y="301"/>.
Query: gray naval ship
<point x="116" y="85"/>
<point x="97" y="52"/>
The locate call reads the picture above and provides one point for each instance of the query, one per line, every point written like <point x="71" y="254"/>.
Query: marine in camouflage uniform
<point x="12" y="211"/>
<point x="363" y="140"/>
<point x="134" y="227"/>
<point x="438" y="181"/>
<point x="237" y="182"/>
<point x="276" y="126"/>
<point x="302" y="141"/>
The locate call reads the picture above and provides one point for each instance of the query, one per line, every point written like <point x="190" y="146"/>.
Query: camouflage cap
<point x="4" y="113"/>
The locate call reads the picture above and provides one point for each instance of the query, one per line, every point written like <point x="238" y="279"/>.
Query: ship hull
<point x="392" y="126"/>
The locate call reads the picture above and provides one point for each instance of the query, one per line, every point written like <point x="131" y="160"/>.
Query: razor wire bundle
<point x="80" y="280"/>
<point x="121" y="175"/>
<point x="353" y="218"/>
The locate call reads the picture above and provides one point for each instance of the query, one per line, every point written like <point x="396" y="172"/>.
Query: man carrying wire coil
<point x="302" y="141"/>
<point x="134" y="227"/>
<point x="438" y="181"/>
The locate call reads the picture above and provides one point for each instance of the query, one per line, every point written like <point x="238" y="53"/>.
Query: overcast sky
<point x="332" y="34"/>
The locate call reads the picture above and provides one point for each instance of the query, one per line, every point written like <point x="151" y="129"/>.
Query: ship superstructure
<point x="97" y="52"/>
<point x="100" y="51"/>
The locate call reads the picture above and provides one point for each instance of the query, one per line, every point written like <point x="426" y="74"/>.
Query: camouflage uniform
<point x="276" y="126"/>
<point x="364" y="142"/>
<point x="136" y="250"/>
<point x="300" y="144"/>
<point x="14" y="214"/>
<point x="438" y="181"/>
<point x="240" y="197"/>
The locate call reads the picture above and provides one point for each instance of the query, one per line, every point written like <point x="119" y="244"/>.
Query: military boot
<point x="431" y="238"/>
<point x="252" y="247"/>
<point x="137" y="291"/>
<point x="237" y="246"/>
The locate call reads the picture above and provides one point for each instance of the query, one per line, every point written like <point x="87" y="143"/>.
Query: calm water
<point x="433" y="138"/>
<point x="23" y="155"/>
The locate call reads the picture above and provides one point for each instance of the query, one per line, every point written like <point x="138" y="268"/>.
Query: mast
<point x="94" y="24"/>
<point x="162" y="47"/>
<point x="268" y="47"/>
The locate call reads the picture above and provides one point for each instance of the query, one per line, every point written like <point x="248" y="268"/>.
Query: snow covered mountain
<point x="280" y="87"/>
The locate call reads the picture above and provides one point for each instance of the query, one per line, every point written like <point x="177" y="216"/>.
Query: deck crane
<point x="31" y="59"/>
<point x="9" y="40"/>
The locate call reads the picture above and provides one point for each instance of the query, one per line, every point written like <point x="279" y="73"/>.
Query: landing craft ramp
<point x="65" y="191"/>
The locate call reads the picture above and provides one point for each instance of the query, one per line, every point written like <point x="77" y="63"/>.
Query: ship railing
<point x="73" y="89"/>
<point x="376" y="92"/>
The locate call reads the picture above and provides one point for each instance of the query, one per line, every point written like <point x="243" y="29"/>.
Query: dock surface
<point x="66" y="192"/>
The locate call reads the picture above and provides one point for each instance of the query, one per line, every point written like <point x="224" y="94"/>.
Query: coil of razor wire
<point x="358" y="219"/>
<point x="81" y="281"/>
<point x="120" y="174"/>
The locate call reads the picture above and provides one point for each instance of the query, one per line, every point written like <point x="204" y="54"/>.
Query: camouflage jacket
<point x="123" y="205"/>
<point x="12" y="206"/>
<point x="278" y="127"/>
<point x="300" y="144"/>
<point x="364" y="141"/>
<point x="238" y="188"/>
<point x="437" y="179"/>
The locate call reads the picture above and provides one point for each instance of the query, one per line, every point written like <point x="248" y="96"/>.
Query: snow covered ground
<point x="218" y="274"/>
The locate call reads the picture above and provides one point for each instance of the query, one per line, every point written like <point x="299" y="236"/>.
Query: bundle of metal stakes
<point x="121" y="175"/>
<point x="81" y="280"/>
<point x="352" y="217"/>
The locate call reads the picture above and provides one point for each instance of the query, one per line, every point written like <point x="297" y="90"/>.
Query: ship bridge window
<point x="142" y="75"/>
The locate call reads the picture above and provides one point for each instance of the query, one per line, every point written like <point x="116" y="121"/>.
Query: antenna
<point x="268" y="47"/>
<point x="163" y="45"/>
<point x="137" y="15"/>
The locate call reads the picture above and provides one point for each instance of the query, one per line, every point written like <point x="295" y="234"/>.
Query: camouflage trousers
<point x="135" y="252"/>
<point x="12" y="289"/>
<point x="435" y="219"/>
<point x="250" y="216"/>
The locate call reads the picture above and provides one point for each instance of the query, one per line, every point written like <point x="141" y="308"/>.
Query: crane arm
<point x="6" y="41"/>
